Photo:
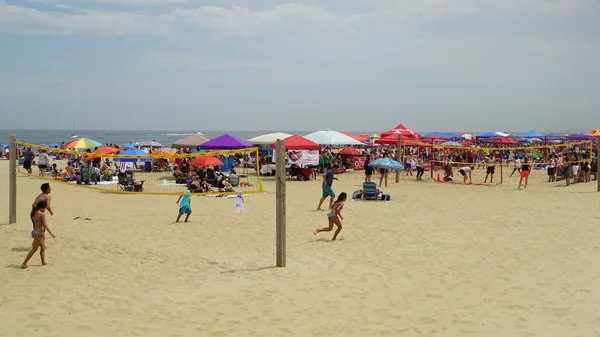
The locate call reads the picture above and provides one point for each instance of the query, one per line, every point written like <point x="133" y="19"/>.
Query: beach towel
<point x="124" y="166"/>
<point x="560" y="173"/>
<point x="239" y="203"/>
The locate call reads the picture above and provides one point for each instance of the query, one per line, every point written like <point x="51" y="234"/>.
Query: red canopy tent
<point x="361" y="138"/>
<point x="506" y="141"/>
<point x="433" y="139"/>
<point x="296" y="142"/>
<point x="402" y="130"/>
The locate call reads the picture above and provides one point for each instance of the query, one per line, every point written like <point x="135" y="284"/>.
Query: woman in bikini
<point x="38" y="219"/>
<point x="335" y="216"/>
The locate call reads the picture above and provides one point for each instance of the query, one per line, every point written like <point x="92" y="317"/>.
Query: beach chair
<point x="370" y="191"/>
<point x="123" y="182"/>
<point x="211" y="178"/>
<point x="234" y="180"/>
<point x="134" y="185"/>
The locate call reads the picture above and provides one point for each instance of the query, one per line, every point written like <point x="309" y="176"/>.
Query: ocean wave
<point x="176" y="134"/>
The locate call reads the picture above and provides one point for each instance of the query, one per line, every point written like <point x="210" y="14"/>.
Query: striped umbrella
<point x="82" y="143"/>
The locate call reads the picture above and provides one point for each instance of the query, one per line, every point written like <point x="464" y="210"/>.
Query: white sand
<point x="437" y="260"/>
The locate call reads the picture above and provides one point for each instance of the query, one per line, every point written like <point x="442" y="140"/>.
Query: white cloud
<point x="24" y="20"/>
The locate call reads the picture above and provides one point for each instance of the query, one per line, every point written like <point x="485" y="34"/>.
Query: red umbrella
<point x="206" y="161"/>
<point x="106" y="150"/>
<point x="349" y="151"/>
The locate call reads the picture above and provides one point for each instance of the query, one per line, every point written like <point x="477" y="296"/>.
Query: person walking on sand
<point x="525" y="170"/>
<point x="326" y="186"/>
<point x="334" y="217"/>
<point x="45" y="197"/>
<point x="518" y="164"/>
<point x="38" y="219"/>
<point x="185" y="205"/>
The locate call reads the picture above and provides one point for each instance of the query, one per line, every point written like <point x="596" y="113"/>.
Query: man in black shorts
<point x="28" y="155"/>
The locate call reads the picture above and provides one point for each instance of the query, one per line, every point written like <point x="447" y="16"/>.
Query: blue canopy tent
<point x="555" y="136"/>
<point x="488" y="135"/>
<point x="581" y="136"/>
<point x="531" y="134"/>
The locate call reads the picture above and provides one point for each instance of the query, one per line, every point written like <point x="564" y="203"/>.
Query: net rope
<point x="161" y="172"/>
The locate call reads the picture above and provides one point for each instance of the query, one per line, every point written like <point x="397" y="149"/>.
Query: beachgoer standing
<point x="552" y="169"/>
<point x="43" y="162"/>
<point x="38" y="219"/>
<point x="420" y="168"/>
<point x="384" y="173"/>
<point x="368" y="168"/>
<point x="491" y="168"/>
<point x="334" y="217"/>
<point x="28" y="154"/>
<point x="326" y="186"/>
<point x="45" y="197"/>
<point x="525" y="170"/>
<point x="185" y="205"/>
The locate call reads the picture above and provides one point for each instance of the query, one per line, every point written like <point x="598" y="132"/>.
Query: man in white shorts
<point x="466" y="170"/>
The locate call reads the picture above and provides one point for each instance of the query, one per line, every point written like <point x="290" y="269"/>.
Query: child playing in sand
<point x="335" y="216"/>
<point x="38" y="219"/>
<point x="184" y="206"/>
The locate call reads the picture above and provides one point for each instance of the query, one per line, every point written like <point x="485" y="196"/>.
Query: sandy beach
<point x="436" y="260"/>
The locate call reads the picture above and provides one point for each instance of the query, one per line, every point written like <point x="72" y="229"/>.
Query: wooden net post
<point x="280" y="203"/>
<point x="12" y="186"/>
<point x="597" y="162"/>
<point x="398" y="156"/>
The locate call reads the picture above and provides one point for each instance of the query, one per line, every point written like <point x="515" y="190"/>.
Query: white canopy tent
<point x="268" y="138"/>
<point x="331" y="137"/>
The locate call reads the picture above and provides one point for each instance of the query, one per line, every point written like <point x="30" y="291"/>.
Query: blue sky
<point x="473" y="65"/>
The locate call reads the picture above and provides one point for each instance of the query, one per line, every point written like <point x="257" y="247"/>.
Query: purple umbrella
<point x="224" y="142"/>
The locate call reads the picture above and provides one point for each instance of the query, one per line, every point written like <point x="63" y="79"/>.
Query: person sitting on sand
<point x="334" y="217"/>
<point x="466" y="170"/>
<point x="224" y="186"/>
<point x="38" y="219"/>
<point x="185" y="205"/>
<point x="45" y="197"/>
<point x="448" y="173"/>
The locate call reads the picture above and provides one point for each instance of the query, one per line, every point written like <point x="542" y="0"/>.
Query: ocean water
<point x="121" y="136"/>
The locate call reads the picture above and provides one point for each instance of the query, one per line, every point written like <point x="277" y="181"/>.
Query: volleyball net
<point x="161" y="172"/>
<point x="540" y="156"/>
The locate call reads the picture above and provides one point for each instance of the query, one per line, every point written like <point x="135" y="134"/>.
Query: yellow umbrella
<point x="595" y="133"/>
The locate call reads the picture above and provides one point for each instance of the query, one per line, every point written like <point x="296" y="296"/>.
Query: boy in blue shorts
<point x="184" y="206"/>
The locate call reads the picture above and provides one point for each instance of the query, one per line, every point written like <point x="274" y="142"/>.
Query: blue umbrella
<point x="132" y="152"/>
<point x="54" y="145"/>
<point x="45" y="145"/>
<point x="128" y="146"/>
<point x="387" y="163"/>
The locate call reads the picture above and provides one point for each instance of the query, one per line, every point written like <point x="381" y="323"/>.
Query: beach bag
<point x="357" y="194"/>
<point x="385" y="197"/>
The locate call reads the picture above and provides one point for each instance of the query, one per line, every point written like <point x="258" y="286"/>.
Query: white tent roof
<point x="268" y="138"/>
<point x="330" y="137"/>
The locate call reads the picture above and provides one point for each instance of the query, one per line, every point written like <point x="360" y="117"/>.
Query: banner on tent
<point x="301" y="157"/>
<point x="359" y="163"/>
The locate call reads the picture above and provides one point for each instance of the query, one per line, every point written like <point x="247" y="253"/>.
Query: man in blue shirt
<point x="28" y="159"/>
<point x="185" y="205"/>
<point x="326" y="186"/>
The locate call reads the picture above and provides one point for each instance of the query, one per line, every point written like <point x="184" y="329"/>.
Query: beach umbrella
<point x="149" y="143"/>
<point x="386" y="163"/>
<point x="269" y="138"/>
<point x="206" y="161"/>
<point x="375" y="136"/>
<point x="44" y="145"/>
<point x="132" y="152"/>
<point x="190" y="142"/>
<point x="349" y="151"/>
<point x="594" y="133"/>
<point x="331" y="137"/>
<point x="54" y="145"/>
<point x="451" y="143"/>
<point x="82" y="143"/>
<point x="106" y="150"/>
<point x="128" y="146"/>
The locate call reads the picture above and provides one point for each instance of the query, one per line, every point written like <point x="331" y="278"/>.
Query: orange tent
<point x="595" y="133"/>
